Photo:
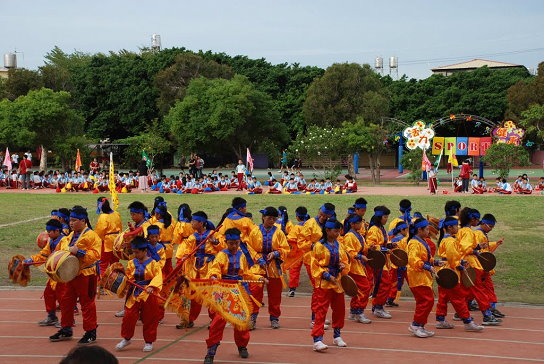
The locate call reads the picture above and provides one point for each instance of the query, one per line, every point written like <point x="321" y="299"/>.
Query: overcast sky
<point x="422" y="34"/>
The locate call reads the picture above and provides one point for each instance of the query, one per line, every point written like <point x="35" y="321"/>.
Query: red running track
<point x="519" y="340"/>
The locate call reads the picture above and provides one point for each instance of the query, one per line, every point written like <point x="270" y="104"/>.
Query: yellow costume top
<point x="325" y="262"/>
<point x="108" y="227"/>
<point x="165" y="237"/>
<point x="450" y="253"/>
<point x="198" y="264"/>
<point x="355" y="246"/>
<point x="227" y="265"/>
<point x="235" y="220"/>
<point x="467" y="243"/>
<point x="182" y="231"/>
<point x="419" y="256"/>
<point x="146" y="274"/>
<point x="311" y="233"/>
<point x="263" y="242"/>
<point x="89" y="247"/>
<point x="376" y="237"/>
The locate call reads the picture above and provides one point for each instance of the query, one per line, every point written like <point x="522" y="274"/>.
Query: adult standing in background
<point x="15" y="160"/>
<point x="192" y="165"/>
<point x="240" y="171"/>
<point x="142" y="172"/>
<point x="199" y="166"/>
<point x="466" y="172"/>
<point x="283" y="160"/>
<point x="25" y="170"/>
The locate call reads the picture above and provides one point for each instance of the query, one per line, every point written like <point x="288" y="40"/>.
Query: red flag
<point x="425" y="162"/>
<point x="7" y="160"/>
<point x="249" y="160"/>
<point x="78" y="161"/>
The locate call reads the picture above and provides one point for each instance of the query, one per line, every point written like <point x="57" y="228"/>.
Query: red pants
<point x="324" y="298"/>
<point x="240" y="181"/>
<point x="273" y="288"/>
<point x="52" y="296"/>
<point x="489" y="287"/>
<point x="294" y="274"/>
<point x="106" y="259"/>
<point x="382" y="286"/>
<point x="361" y="300"/>
<point x="313" y="304"/>
<point x="396" y="282"/>
<point x="424" y="296"/>
<point x="84" y="288"/>
<point x="149" y="312"/>
<point x="458" y="298"/>
<point x="479" y="292"/>
<point x="241" y="338"/>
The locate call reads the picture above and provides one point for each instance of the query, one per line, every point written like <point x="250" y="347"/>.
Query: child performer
<point x="449" y="253"/>
<point x="377" y="238"/>
<point x="53" y="290"/>
<point x="146" y="272"/>
<point x="398" y="274"/>
<point x="294" y="238"/>
<point x="230" y="263"/>
<point x="405" y="207"/>
<point x="468" y="246"/>
<point x="85" y="244"/>
<point x="486" y="225"/>
<point x="420" y="267"/>
<point x="183" y="229"/>
<point x="270" y="246"/>
<point x="198" y="265"/>
<point x="108" y="228"/>
<point x="329" y="263"/>
<point x="283" y="221"/>
<point x="163" y="220"/>
<point x="354" y="243"/>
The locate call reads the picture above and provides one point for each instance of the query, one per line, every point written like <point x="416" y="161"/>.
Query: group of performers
<point x="261" y="254"/>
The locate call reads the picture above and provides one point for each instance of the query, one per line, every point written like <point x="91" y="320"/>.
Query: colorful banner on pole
<point x="418" y="136"/>
<point x="460" y="145"/>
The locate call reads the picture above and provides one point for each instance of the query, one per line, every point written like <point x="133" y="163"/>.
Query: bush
<point x="502" y="157"/>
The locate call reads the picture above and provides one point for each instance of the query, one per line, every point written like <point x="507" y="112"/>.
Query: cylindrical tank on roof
<point x="378" y="63"/>
<point x="156" y="41"/>
<point x="393" y="62"/>
<point x="10" y="60"/>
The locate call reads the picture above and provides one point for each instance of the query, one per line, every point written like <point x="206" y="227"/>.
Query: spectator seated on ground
<point x="457" y="185"/>
<point x="525" y="187"/>
<point x="350" y="185"/>
<point x="540" y="185"/>
<point x="275" y="187"/>
<point x="505" y="188"/>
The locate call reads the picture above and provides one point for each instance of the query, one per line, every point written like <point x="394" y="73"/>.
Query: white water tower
<point x="394" y="65"/>
<point x="378" y="64"/>
<point x="156" y="42"/>
<point x="10" y="60"/>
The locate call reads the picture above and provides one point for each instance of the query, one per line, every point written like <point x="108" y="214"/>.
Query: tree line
<point x="177" y="100"/>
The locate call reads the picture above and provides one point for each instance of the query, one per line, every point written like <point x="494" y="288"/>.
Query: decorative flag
<point x="474" y="146"/>
<point x="78" y="161"/>
<point x="461" y="146"/>
<point x="111" y="185"/>
<point x="148" y="162"/>
<point x="249" y="160"/>
<point x="425" y="162"/>
<point x="438" y="145"/>
<point x="7" y="160"/>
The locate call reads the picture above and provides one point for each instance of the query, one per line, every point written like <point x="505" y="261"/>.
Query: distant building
<point x="4" y="73"/>
<point x="473" y="65"/>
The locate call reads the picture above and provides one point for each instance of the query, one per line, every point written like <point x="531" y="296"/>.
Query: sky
<point x="422" y="34"/>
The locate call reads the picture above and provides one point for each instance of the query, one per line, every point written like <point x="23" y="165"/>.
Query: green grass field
<point x="520" y="222"/>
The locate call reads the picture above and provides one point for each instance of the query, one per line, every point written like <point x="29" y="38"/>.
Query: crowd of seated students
<point x="521" y="185"/>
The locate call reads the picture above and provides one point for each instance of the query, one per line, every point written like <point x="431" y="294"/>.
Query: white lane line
<point x="23" y="221"/>
<point x="391" y="350"/>
<point x="153" y="358"/>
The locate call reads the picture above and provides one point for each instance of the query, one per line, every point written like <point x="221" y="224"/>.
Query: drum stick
<point x="468" y="277"/>
<point x="482" y="257"/>
<point x="33" y="263"/>
<point x="144" y="289"/>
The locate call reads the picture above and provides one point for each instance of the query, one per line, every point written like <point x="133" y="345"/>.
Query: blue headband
<point x="237" y="207"/>
<point x="60" y="214"/>
<point x="52" y="228"/>
<point x="473" y="215"/>
<point x="137" y="211"/>
<point x="360" y="206"/>
<point x="443" y="223"/>
<point x="421" y="224"/>
<point x="327" y="212"/>
<point x="379" y="213"/>
<point x="232" y="236"/>
<point x="355" y="219"/>
<point x="404" y="209"/>
<point x="400" y="227"/>
<point x="199" y="218"/>
<point x="99" y="207"/>
<point x="331" y="225"/>
<point x="78" y="216"/>
<point x="159" y="211"/>
<point x="488" y="222"/>
<point x="153" y="231"/>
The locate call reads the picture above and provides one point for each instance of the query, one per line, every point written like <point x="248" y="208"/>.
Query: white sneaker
<point x="339" y="342"/>
<point x="319" y="346"/>
<point x="381" y="313"/>
<point x="352" y="316"/>
<point x="428" y="332"/>
<point x="417" y="331"/>
<point x="444" y="325"/>
<point x="148" y="347"/>
<point x="361" y="318"/>
<point x="472" y="326"/>
<point x="120" y="313"/>
<point x="122" y="344"/>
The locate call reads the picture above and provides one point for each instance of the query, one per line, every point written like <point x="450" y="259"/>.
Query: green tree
<point x="172" y="82"/>
<point x="42" y="117"/>
<point x="502" y="157"/>
<point x="525" y="93"/>
<point x="59" y="68"/>
<point x="344" y="92"/>
<point x="219" y="114"/>
<point x="411" y="160"/>
<point x="20" y="81"/>
<point x="532" y="120"/>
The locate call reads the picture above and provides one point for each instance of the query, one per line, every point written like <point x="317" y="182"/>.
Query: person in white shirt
<point x="240" y="172"/>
